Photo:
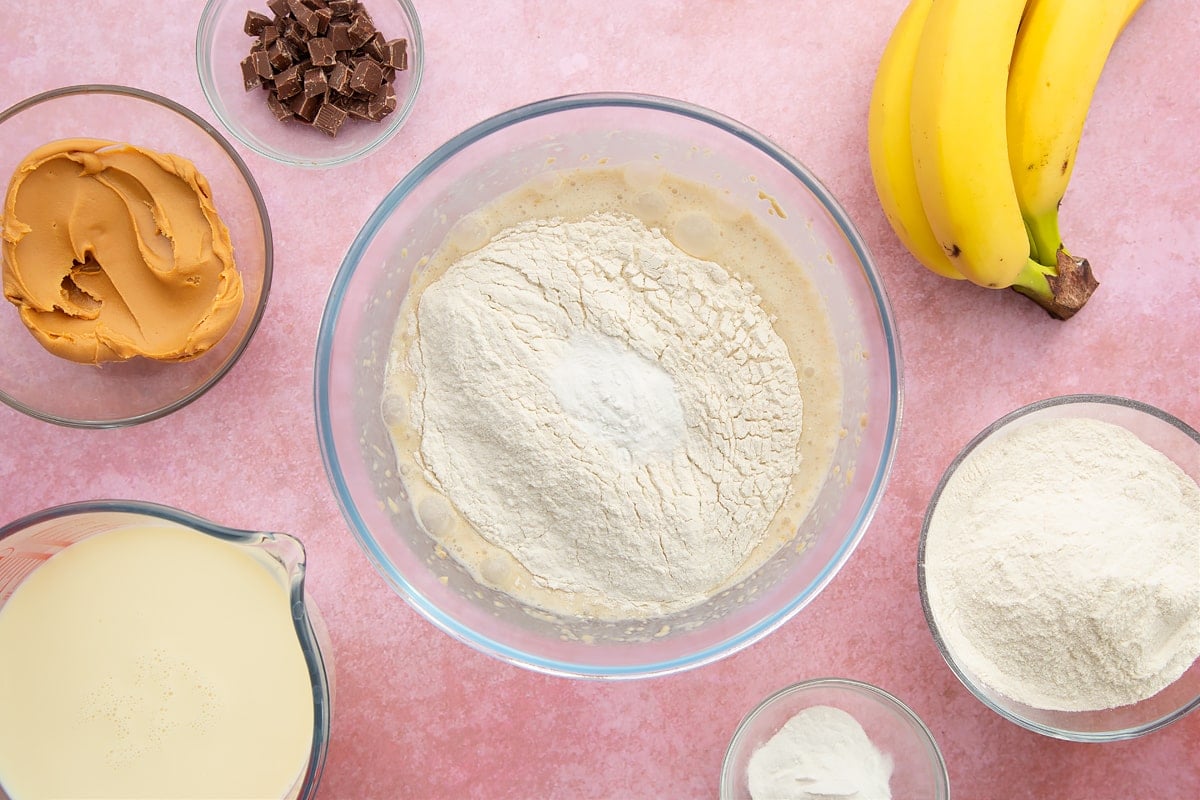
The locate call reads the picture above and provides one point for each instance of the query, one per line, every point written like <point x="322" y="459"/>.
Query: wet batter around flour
<point x="612" y="393"/>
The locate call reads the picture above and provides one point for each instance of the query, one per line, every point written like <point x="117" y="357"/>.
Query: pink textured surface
<point x="419" y="715"/>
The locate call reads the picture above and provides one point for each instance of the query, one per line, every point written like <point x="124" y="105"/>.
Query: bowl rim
<point x="514" y="655"/>
<point x="268" y="252"/>
<point x="971" y="686"/>
<point x="396" y="120"/>
<point x="861" y="688"/>
<point x="307" y="633"/>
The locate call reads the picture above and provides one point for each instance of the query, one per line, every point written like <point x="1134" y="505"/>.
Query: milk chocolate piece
<point x="341" y="8"/>
<point x="395" y="54"/>
<point x="358" y="108"/>
<point x="374" y="46"/>
<point x="329" y="119"/>
<point x="269" y="34"/>
<point x="367" y="77"/>
<point x="294" y="32"/>
<point x="305" y="17"/>
<point x="288" y="83"/>
<point x="315" y="83"/>
<point x="339" y="78"/>
<point x="261" y="61"/>
<point x="250" y="76"/>
<point x="381" y="104"/>
<point x="255" y="22"/>
<point x="361" y="29"/>
<point x="280" y="55"/>
<point x="323" y="16"/>
<point x="277" y="107"/>
<point x="321" y="51"/>
<point x="306" y="107"/>
<point x="278" y="7"/>
<point x="339" y="34"/>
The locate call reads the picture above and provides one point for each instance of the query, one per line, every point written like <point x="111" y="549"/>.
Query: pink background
<point x="419" y="715"/>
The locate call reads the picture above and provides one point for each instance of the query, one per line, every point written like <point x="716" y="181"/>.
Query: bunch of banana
<point x="975" y="118"/>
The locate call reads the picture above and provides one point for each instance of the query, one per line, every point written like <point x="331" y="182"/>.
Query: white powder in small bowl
<point x="821" y="753"/>
<point x="1062" y="566"/>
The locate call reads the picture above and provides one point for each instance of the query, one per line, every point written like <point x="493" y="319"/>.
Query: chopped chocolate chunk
<point x="381" y="104"/>
<point x="261" y="61"/>
<point x="277" y="107"/>
<point x="250" y="76"/>
<point x="324" y="16"/>
<point x="306" y="107"/>
<point x="278" y="7"/>
<point x="341" y="8"/>
<point x="269" y="34"/>
<point x="339" y="78"/>
<point x="361" y="30"/>
<point x="288" y="83"/>
<point x="315" y="83"/>
<point x="358" y="109"/>
<point x="395" y="54"/>
<point x="339" y="34"/>
<point x="280" y="55"/>
<point x="329" y="119"/>
<point x="255" y="22"/>
<point x="374" y="46"/>
<point x="367" y="77"/>
<point x="321" y="51"/>
<point x="306" y="17"/>
<point x="293" y="31"/>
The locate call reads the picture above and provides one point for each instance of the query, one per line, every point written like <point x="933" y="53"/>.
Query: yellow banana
<point x="959" y="139"/>
<point x="1060" y="51"/>
<point x="889" y="142"/>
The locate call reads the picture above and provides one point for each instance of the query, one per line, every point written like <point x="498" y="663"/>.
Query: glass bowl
<point x="1169" y="436"/>
<point x="489" y="160"/>
<point x="115" y="394"/>
<point x="917" y="766"/>
<point x="222" y="43"/>
<point x="26" y="544"/>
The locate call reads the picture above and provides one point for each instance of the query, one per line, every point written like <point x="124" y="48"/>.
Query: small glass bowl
<point x="117" y="394"/>
<point x="221" y="44"/>
<point x="1168" y="435"/>
<point x="918" y="769"/>
<point x="26" y="544"/>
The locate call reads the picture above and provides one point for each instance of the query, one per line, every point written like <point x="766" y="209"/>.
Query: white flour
<point x="1063" y="566"/>
<point x="619" y="416"/>
<point x="822" y="753"/>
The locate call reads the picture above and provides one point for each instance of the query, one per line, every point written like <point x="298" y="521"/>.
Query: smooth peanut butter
<point x="113" y="251"/>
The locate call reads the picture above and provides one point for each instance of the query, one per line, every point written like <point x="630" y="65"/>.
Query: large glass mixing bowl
<point x="491" y="159"/>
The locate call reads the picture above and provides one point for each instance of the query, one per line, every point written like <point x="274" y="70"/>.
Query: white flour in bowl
<point x="616" y="414"/>
<point x="599" y="419"/>
<point x="1062" y="566"/>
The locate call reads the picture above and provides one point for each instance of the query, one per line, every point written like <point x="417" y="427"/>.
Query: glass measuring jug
<point x="275" y="560"/>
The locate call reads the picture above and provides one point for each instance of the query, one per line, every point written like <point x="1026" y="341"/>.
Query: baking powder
<point x="821" y="753"/>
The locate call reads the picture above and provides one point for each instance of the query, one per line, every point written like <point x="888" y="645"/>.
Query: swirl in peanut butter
<point x="113" y="251"/>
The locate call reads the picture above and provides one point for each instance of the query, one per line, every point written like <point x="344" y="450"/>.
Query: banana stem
<point x="1060" y="290"/>
<point x="1044" y="238"/>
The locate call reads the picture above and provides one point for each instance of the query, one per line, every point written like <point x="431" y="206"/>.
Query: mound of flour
<point x="1063" y="566"/>
<point x="619" y="416"/>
